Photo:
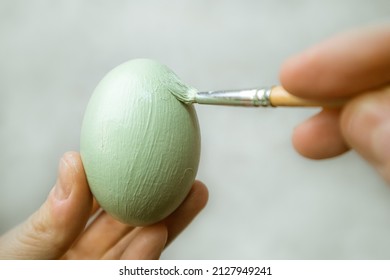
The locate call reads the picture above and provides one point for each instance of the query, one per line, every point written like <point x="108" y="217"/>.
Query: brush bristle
<point x="182" y="92"/>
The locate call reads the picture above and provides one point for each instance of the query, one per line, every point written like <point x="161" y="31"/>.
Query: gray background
<point x="266" y="202"/>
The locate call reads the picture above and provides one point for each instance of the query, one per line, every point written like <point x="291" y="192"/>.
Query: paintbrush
<point x="265" y="97"/>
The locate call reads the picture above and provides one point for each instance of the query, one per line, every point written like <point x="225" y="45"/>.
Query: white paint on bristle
<point x="181" y="91"/>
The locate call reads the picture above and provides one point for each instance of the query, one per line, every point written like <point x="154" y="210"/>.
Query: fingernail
<point x="62" y="188"/>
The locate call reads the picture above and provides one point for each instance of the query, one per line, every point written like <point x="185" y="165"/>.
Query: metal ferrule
<point x="249" y="97"/>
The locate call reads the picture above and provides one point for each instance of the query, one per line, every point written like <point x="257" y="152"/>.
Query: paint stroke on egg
<point x="140" y="146"/>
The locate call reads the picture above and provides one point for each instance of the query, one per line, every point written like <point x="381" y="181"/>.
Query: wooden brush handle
<point x="280" y="97"/>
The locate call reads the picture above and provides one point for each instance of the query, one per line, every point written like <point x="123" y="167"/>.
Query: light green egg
<point x="140" y="146"/>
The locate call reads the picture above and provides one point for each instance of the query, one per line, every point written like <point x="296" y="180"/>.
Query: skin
<point x="355" y="64"/>
<point x="58" y="229"/>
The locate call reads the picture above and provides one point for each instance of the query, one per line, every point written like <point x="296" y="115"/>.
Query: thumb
<point x="50" y="231"/>
<point x="365" y="124"/>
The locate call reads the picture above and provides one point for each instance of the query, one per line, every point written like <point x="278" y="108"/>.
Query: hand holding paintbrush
<point x="350" y="72"/>
<point x="355" y="66"/>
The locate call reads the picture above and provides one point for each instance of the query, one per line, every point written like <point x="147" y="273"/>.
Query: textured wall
<point x="265" y="200"/>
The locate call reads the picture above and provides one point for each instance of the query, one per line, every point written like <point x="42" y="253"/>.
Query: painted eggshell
<point x="140" y="146"/>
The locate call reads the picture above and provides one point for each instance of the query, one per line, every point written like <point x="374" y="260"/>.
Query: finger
<point x="320" y="136"/>
<point x="49" y="232"/>
<point x="187" y="211"/>
<point x="95" y="212"/>
<point x="146" y="243"/>
<point x="344" y="65"/>
<point x="102" y="234"/>
<point x="116" y="251"/>
<point x="95" y="207"/>
<point x="175" y="223"/>
<point x="365" y="124"/>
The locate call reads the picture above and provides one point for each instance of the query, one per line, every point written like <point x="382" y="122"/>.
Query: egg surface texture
<point x="140" y="146"/>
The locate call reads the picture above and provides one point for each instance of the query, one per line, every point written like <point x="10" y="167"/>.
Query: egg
<point x="139" y="145"/>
